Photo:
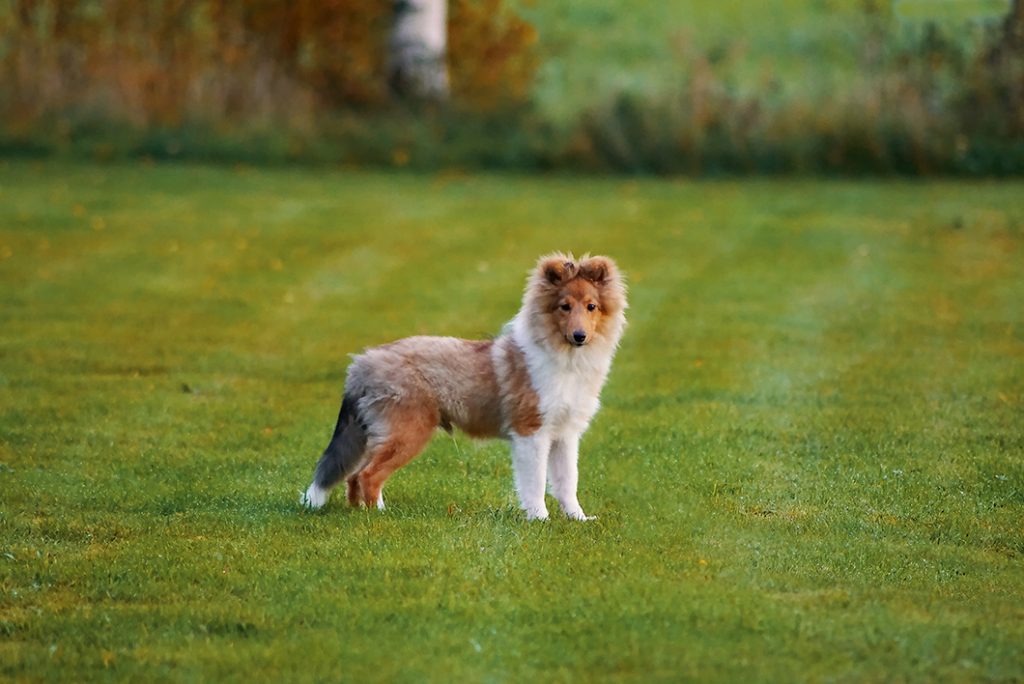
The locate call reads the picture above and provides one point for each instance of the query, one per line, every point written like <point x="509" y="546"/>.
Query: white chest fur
<point x="567" y="381"/>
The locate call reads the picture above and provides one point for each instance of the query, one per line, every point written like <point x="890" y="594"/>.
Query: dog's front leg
<point x="529" y="464"/>
<point x="563" y="475"/>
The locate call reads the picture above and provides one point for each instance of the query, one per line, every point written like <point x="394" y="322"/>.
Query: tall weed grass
<point x="920" y="102"/>
<point x="275" y="81"/>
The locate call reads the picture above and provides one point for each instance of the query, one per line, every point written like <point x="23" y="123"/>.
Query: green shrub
<point x="922" y="103"/>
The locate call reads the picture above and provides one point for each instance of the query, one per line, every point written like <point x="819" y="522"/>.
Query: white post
<point x="417" y="64"/>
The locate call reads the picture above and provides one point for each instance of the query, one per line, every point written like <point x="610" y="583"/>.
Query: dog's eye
<point x="591" y="306"/>
<point x="565" y="307"/>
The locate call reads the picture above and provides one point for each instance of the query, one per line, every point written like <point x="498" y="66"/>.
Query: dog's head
<point x="580" y="301"/>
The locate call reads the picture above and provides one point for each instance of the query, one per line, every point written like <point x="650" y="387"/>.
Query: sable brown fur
<point x="519" y="401"/>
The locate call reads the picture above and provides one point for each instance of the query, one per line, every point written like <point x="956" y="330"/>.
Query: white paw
<point x="536" y="513"/>
<point x="380" y="501"/>
<point x="579" y="515"/>
<point x="315" y="497"/>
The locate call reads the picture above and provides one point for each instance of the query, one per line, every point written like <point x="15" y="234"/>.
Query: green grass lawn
<point x="809" y="464"/>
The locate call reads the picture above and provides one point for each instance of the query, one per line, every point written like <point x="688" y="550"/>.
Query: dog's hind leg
<point x="411" y="429"/>
<point x="355" y="493"/>
<point x="342" y="456"/>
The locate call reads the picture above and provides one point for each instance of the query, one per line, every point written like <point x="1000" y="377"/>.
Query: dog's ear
<point x="598" y="270"/>
<point x="604" y="273"/>
<point x="556" y="269"/>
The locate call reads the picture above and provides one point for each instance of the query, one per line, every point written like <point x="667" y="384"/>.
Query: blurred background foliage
<point x="800" y="86"/>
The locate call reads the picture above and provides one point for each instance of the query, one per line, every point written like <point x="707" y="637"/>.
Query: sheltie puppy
<point x="536" y="385"/>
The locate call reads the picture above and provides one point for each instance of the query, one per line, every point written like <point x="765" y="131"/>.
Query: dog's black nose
<point x="579" y="337"/>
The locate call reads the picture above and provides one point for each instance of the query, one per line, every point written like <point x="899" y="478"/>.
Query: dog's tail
<point x="341" y="457"/>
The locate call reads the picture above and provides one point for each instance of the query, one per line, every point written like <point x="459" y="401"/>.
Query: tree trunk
<point x="417" y="66"/>
<point x="1013" y="27"/>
